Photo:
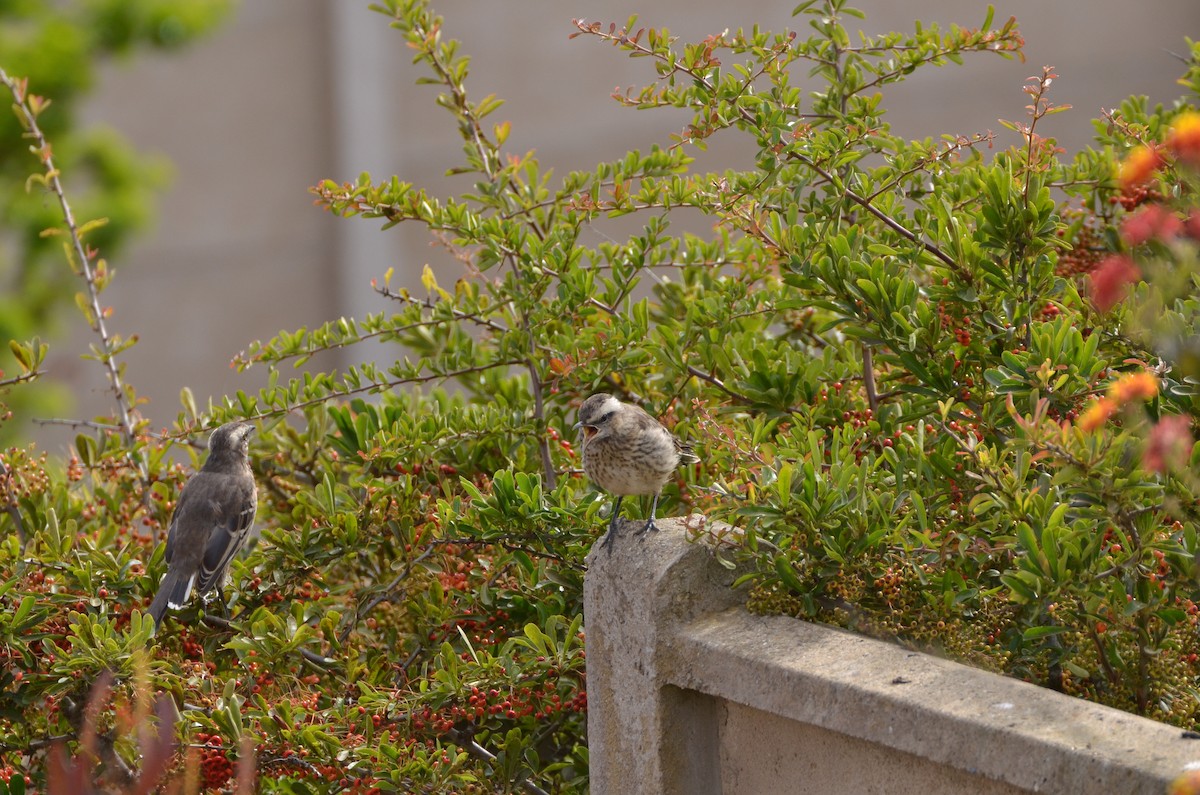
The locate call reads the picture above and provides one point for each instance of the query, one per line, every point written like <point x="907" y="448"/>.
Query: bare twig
<point x="107" y="353"/>
<point x="887" y="220"/>
<point x="91" y="425"/>
<point x="719" y="384"/>
<point x="454" y="315"/>
<point x="383" y="386"/>
<point x="385" y="595"/>
<point x="505" y="545"/>
<point x="37" y="745"/>
<point x="457" y="314"/>
<point x="10" y="503"/>
<point x="539" y="415"/>
<point x="868" y="355"/>
<point x="287" y="761"/>
<point x="468" y="744"/>
<point x="23" y="377"/>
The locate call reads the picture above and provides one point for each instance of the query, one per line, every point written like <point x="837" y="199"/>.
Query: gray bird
<point x="627" y="452"/>
<point x="211" y="520"/>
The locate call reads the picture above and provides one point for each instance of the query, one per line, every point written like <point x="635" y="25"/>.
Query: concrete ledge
<point x="688" y="693"/>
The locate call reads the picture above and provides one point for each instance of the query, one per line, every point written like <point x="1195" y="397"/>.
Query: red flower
<point x="1152" y="222"/>
<point x="1169" y="445"/>
<point x="1191" y="227"/>
<point x="1111" y="280"/>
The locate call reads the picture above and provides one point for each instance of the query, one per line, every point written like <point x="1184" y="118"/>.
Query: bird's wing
<point x="228" y="534"/>
<point x="191" y="527"/>
<point x="182" y="508"/>
<point x="655" y="436"/>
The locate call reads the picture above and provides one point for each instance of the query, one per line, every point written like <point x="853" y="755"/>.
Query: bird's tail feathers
<point x="686" y="456"/>
<point x="173" y="593"/>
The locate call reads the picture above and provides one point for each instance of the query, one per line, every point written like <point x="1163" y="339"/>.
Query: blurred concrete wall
<point x="294" y="91"/>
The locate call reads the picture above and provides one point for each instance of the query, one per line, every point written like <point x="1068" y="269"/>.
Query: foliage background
<point x="59" y="48"/>
<point x="296" y="90"/>
<point x="881" y="350"/>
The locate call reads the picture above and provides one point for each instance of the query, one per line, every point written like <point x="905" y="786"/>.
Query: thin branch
<point x="457" y="314"/>
<point x="887" y="220"/>
<point x="505" y="545"/>
<point x="951" y="148"/>
<point x="412" y="658"/>
<point x="284" y="761"/>
<point x="447" y="75"/>
<point x="539" y="416"/>
<point x="748" y="117"/>
<point x="37" y="745"/>
<point x="476" y="750"/>
<point x="10" y="504"/>
<point x="718" y="383"/>
<point x="385" y="595"/>
<point x="107" y="354"/>
<point x="1102" y="655"/>
<point x="383" y="386"/>
<point x="72" y="423"/>
<point x="22" y="378"/>
<point x="868" y="356"/>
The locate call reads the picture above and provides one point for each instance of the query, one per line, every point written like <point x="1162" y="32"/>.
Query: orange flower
<point x="1135" y="386"/>
<point x="1186" y="784"/>
<point x="1184" y="138"/>
<point x="1097" y="414"/>
<point x="1140" y="165"/>
<point x="1111" y="280"/>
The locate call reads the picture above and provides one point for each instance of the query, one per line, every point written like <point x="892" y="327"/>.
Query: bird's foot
<point x="207" y="600"/>
<point x="648" y="527"/>
<point x="609" y="538"/>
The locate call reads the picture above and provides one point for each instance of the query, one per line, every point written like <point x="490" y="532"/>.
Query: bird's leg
<point x="611" y="535"/>
<point x="650" y="525"/>
<point x="217" y="594"/>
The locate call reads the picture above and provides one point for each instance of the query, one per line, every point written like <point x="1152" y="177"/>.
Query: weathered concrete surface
<point x="644" y="736"/>
<point x="688" y="693"/>
<point x="953" y="717"/>
<point x="765" y="754"/>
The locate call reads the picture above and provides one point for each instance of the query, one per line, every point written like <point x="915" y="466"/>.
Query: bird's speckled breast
<point x="640" y="468"/>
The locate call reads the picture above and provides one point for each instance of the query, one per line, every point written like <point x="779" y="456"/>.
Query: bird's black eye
<point x="605" y="417"/>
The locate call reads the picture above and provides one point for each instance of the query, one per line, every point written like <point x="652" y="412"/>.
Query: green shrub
<point x="881" y="353"/>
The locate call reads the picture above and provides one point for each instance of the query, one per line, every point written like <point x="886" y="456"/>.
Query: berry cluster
<point x="215" y="767"/>
<point x="7" y="772"/>
<point x="1134" y="196"/>
<point x="1082" y="253"/>
<point x="538" y="702"/>
<point x="564" y="444"/>
<point x="291" y="764"/>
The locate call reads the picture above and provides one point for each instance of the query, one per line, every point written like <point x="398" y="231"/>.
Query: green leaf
<point x="1037" y="633"/>
<point x="787" y="574"/>
<point x="23" y="610"/>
